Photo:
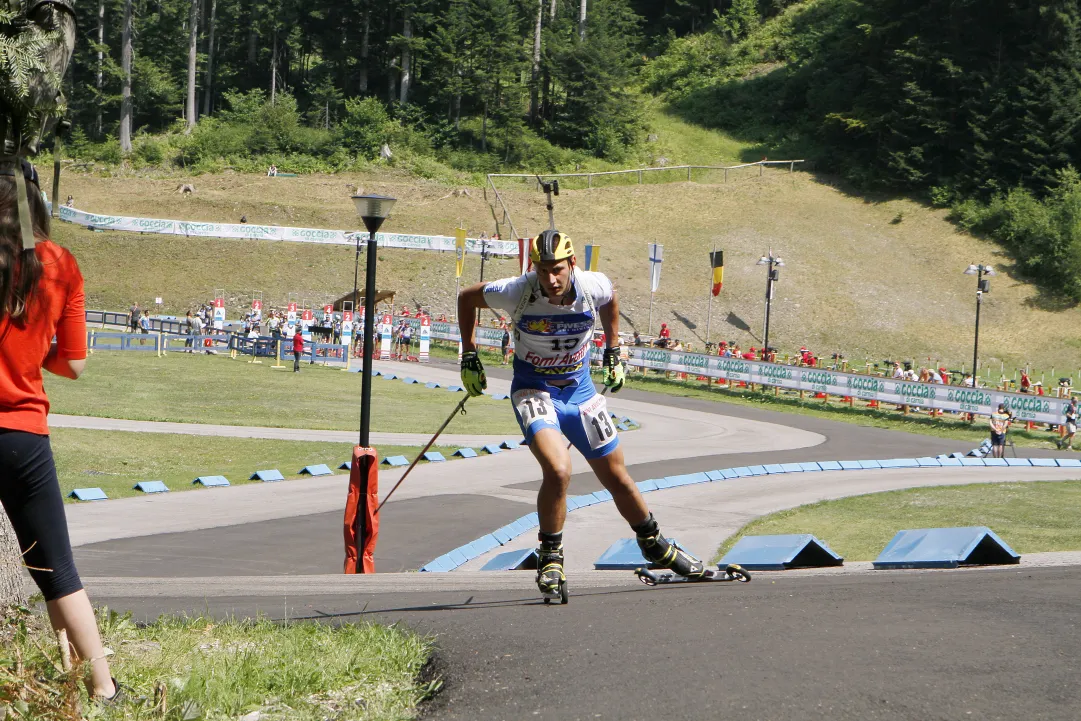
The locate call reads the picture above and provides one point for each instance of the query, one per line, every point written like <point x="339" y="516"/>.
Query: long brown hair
<point x="20" y="269"/>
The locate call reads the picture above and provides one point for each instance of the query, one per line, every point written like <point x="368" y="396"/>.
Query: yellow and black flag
<point x="716" y="259"/>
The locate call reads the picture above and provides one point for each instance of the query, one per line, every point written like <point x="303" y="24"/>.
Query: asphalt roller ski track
<point x="997" y="643"/>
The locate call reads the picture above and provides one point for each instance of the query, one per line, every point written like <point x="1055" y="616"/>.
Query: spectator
<point x="144" y="322"/>
<point x="407" y="339"/>
<point x="298" y="348"/>
<point x="133" y="317"/>
<point x="637" y="340"/>
<point x="272" y="171"/>
<point x="243" y="220"/>
<point x="189" y="330"/>
<point x="274" y="325"/>
<point x="1071" y="425"/>
<point x="1038" y="385"/>
<point x="504" y="344"/>
<point x="1000" y="426"/>
<point x="42" y="326"/>
<point x="70" y="202"/>
<point x="196" y="331"/>
<point x="1026" y="382"/>
<point x="898" y="372"/>
<point x="664" y="332"/>
<point x="337" y="332"/>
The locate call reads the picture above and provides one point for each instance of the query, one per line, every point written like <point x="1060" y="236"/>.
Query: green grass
<point x="199" y="668"/>
<point x="1030" y="517"/>
<point x="206" y="389"/>
<point x="116" y="460"/>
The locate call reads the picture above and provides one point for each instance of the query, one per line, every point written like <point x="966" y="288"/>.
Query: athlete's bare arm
<point x="609" y="313"/>
<point x="470" y="300"/>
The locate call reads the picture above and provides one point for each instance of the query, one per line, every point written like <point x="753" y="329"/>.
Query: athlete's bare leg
<point x="612" y="473"/>
<point x="550" y="450"/>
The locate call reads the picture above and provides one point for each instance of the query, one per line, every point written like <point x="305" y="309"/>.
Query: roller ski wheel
<point x="731" y="572"/>
<point x="561" y="594"/>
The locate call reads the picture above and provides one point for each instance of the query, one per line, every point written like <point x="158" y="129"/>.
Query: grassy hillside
<point x="875" y="279"/>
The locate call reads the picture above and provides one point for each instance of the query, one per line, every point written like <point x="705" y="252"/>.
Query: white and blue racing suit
<point x="552" y="387"/>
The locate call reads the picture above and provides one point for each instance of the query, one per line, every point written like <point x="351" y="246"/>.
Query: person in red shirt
<point x="664" y="332"/>
<point x="298" y="348"/>
<point x="41" y="299"/>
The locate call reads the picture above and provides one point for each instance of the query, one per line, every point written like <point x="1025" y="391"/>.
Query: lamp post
<point x="982" y="286"/>
<point x="772" y="274"/>
<point x="373" y="210"/>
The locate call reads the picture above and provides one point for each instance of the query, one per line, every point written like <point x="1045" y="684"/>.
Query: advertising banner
<point x="347" y="327"/>
<point x="291" y="320"/>
<point x="219" y="313"/>
<point x="307" y="320"/>
<point x="425" y="338"/>
<point x="386" y="326"/>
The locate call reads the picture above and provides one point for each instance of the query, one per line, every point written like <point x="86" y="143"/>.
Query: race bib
<point x="534" y="405"/>
<point x="597" y="423"/>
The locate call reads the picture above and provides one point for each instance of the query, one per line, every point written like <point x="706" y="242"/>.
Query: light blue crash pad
<point x="465" y="453"/>
<point x="265" y="476"/>
<point x="151" y="487"/>
<point x="319" y="469"/>
<point x="624" y="555"/>
<point x="522" y="560"/>
<point x="945" y="548"/>
<point x="395" y="461"/>
<point x="88" y="494"/>
<point x="777" y="553"/>
<point x="211" y="481"/>
<point x="434" y="457"/>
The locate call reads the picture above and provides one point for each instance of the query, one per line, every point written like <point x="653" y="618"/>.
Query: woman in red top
<point x="298" y="348"/>
<point x="41" y="298"/>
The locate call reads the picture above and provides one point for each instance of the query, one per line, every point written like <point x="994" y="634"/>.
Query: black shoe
<point x="664" y="554"/>
<point x="119" y="696"/>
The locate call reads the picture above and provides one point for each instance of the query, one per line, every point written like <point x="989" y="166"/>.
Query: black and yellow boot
<point x="550" y="577"/>
<point x="662" y="553"/>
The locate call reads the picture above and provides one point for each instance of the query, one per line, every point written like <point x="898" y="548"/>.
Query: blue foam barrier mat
<point x="439" y="565"/>
<point x="523" y="560"/>
<point x="928" y="462"/>
<point x="742" y="471"/>
<point x="270" y="475"/>
<point x="88" y="494"/>
<point x="851" y="466"/>
<point x="491" y="448"/>
<point x="587" y="500"/>
<point x="346" y="466"/>
<point x="484" y="544"/>
<point x="389" y="376"/>
<point x="758" y="470"/>
<point x="457" y="557"/>
<point x="972" y="462"/>
<point x="510" y="444"/>
<point x="715" y="475"/>
<point x="1018" y="462"/>
<point x="532" y="520"/>
<point x="1043" y="462"/>
<point x="151" y="487"/>
<point x="865" y="465"/>
<point x="774" y="468"/>
<point x="465" y="453"/>
<point x="622" y="555"/>
<point x="375" y="373"/>
<point x="395" y="461"/>
<point x="317" y="469"/>
<point x="500" y="396"/>
<point x="410" y="381"/>
<point x="663" y="483"/>
<point x="432" y="384"/>
<point x="957" y="454"/>
<point x="945" y="548"/>
<point x="456" y="389"/>
<point x="791" y="467"/>
<point x="995" y="462"/>
<point x="501" y="535"/>
<point x="810" y="467"/>
<point x="646" y="486"/>
<point x="1068" y="463"/>
<point x="688" y="479"/>
<point x="729" y="473"/>
<point x="434" y="457"/>
<point x="211" y="481"/>
<point x="950" y="462"/>
<point x="622" y="427"/>
<point x="601" y="496"/>
<point x="829" y="465"/>
<point x="777" y="553"/>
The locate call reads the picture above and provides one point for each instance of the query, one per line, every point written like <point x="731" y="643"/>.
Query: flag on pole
<point x="593" y="256"/>
<point x="459" y="251"/>
<point x="656" y="254"/>
<point x="716" y="259"/>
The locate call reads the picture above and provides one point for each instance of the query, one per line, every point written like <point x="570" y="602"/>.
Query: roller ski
<point x="731" y="572"/>
<point x="550" y="577"/>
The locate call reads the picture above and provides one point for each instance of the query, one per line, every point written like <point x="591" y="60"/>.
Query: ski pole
<point x="459" y="407"/>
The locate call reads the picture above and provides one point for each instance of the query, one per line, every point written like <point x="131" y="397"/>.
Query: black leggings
<point x="30" y="493"/>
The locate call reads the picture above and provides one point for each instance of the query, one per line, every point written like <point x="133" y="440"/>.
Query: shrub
<point x="366" y="127"/>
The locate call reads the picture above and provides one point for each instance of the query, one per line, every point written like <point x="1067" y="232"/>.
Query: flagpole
<point x="709" y="307"/>
<point x="649" y="330"/>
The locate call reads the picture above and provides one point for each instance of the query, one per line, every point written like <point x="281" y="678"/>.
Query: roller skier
<point x="554" y="310"/>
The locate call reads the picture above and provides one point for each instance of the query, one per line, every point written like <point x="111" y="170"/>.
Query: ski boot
<point x="662" y="553"/>
<point x="550" y="578"/>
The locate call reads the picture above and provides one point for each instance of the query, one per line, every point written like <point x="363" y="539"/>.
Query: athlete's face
<point x="555" y="278"/>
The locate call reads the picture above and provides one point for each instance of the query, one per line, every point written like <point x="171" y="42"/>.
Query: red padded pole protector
<point x="361" y="525"/>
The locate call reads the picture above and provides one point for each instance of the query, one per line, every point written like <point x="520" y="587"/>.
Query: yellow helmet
<point x="551" y="246"/>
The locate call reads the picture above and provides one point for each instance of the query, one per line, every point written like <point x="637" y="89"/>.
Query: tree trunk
<point x="535" y="76"/>
<point x="484" y="129"/>
<point x="274" y="68"/>
<point x="407" y="55"/>
<point x="552" y="11"/>
<point x="363" y="84"/>
<point x="12" y="590"/>
<point x="209" y="84"/>
<point x="125" y="90"/>
<point x="193" y="57"/>
<point x="392" y="79"/>
<point x="253" y="35"/>
<point x="99" y="126"/>
<point x="582" y="19"/>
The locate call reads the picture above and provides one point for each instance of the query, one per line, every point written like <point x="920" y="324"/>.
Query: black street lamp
<point x="982" y="286"/>
<point x="373" y="210"/>
<point x="772" y="275"/>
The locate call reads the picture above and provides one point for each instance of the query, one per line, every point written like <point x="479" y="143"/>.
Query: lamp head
<point x="373" y="210"/>
<point x="988" y="270"/>
<point x="763" y="261"/>
<point x="779" y="263"/>
<point x="971" y="270"/>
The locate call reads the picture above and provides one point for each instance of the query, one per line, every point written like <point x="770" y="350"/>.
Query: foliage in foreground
<point x="183" y="669"/>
